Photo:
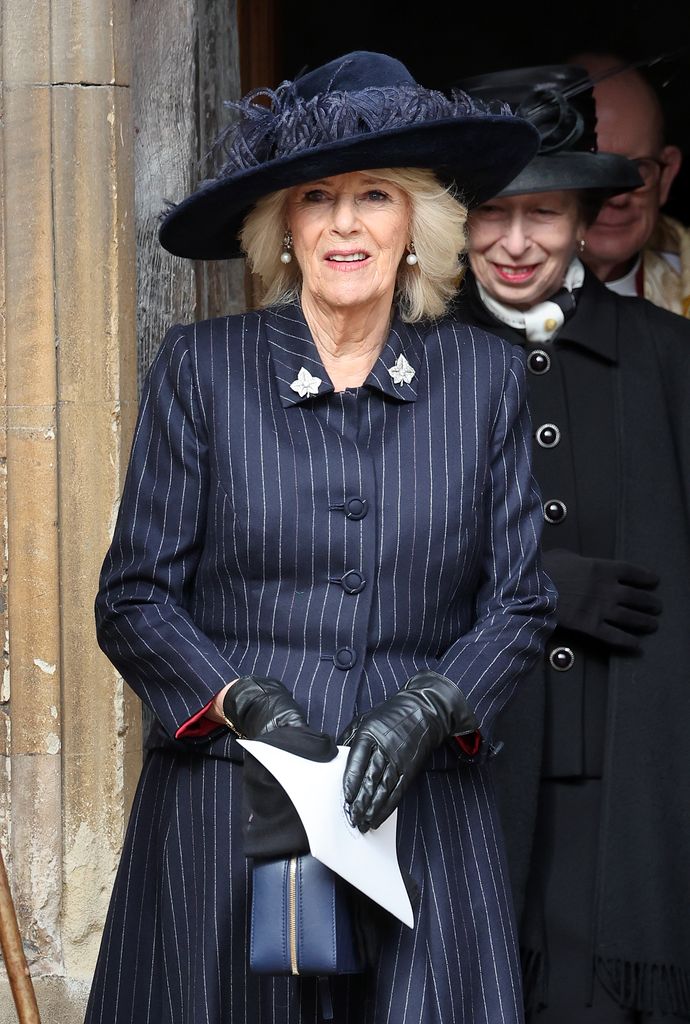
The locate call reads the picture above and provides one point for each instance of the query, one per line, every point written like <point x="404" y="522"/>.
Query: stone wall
<point x="71" y="736"/>
<point x="70" y="730"/>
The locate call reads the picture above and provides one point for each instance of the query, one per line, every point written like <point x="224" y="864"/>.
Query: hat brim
<point x="481" y="154"/>
<point x="605" y="174"/>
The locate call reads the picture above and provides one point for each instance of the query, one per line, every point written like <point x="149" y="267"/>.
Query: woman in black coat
<point x="595" y="781"/>
<point x="329" y="520"/>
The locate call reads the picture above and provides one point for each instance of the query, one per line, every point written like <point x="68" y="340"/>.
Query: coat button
<point x="555" y="511"/>
<point x="344" y="658"/>
<point x="562" y="659"/>
<point x="356" y="508"/>
<point x="352" y="582"/>
<point x="548" y="435"/>
<point x="539" y="361"/>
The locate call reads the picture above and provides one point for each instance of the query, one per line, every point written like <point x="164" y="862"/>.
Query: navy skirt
<point x="174" y="947"/>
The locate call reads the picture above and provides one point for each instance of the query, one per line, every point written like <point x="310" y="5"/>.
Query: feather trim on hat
<point x="290" y="124"/>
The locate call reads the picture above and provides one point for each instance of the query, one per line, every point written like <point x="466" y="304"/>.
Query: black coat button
<point x="539" y="361"/>
<point x="555" y="511"/>
<point x="548" y="435"/>
<point x="344" y="658"/>
<point x="352" y="582"/>
<point x="356" y="508"/>
<point x="562" y="659"/>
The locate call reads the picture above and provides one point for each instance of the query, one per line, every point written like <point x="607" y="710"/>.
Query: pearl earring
<point x="411" y="258"/>
<point x="581" y="245"/>
<point x="286" y="255"/>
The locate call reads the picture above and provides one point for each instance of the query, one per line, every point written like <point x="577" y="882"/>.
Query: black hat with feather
<point x="360" y="111"/>
<point x="558" y="99"/>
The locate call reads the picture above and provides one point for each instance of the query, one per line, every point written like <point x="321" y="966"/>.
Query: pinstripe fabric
<point x="339" y="543"/>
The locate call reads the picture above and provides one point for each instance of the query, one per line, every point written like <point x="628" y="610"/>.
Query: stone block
<point x="101" y="717"/>
<point x="94" y="244"/>
<point x="25" y="42"/>
<point x="36" y="864"/>
<point x="90" y="42"/>
<point x="60" y="1001"/>
<point x="33" y="587"/>
<point x="29" y="282"/>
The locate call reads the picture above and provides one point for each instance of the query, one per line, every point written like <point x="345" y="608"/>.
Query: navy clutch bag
<point x="300" y="919"/>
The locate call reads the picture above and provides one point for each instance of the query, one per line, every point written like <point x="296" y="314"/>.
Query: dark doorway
<point x="441" y="42"/>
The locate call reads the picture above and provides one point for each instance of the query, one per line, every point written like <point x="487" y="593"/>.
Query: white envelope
<point x="369" y="861"/>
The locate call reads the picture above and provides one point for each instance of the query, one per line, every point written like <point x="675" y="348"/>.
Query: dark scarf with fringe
<point x="641" y="951"/>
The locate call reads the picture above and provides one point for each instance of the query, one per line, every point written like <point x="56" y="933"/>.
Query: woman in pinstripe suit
<point x="329" y="517"/>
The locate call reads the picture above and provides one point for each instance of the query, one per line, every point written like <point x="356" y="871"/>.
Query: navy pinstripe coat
<point x="339" y="542"/>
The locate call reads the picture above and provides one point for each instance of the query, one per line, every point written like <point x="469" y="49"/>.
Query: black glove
<point x="272" y="827"/>
<point x="603" y="598"/>
<point x="254" y="705"/>
<point x="390" y="744"/>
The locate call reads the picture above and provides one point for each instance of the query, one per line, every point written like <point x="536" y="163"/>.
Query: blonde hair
<point x="437" y="228"/>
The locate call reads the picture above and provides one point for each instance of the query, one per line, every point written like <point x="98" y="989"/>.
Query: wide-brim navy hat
<point x="359" y="112"/>
<point x="559" y="100"/>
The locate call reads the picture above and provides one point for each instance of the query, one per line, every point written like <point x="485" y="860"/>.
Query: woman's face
<point x="349" y="233"/>
<point x="521" y="246"/>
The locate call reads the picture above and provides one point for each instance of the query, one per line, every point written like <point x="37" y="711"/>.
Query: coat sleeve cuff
<point x="198" y="726"/>
<point x="470" y="744"/>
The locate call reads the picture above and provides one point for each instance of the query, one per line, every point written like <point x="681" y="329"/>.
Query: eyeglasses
<point x="650" y="169"/>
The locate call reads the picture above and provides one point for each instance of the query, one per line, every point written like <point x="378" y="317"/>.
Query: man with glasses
<point x="633" y="247"/>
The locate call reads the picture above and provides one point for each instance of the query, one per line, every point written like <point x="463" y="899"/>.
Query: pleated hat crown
<point x="558" y="99"/>
<point x="360" y="111"/>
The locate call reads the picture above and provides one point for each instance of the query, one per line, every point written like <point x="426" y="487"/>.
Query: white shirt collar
<point x="541" y="322"/>
<point x="627" y="284"/>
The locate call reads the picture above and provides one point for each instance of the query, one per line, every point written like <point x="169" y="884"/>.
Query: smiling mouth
<point x="347" y="257"/>
<point x="516" y="274"/>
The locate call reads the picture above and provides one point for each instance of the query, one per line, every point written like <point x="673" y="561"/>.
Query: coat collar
<point x="402" y="353"/>
<point x="295" y="357"/>
<point x="593" y="326"/>
<point x="293" y="351"/>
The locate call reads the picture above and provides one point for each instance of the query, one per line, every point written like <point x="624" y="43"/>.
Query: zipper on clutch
<point x="292" y="910"/>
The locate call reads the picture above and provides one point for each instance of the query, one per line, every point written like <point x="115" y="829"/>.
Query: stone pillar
<point x="70" y="760"/>
<point x="72" y="238"/>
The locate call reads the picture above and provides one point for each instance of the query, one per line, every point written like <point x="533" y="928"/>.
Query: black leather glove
<point x="603" y="598"/>
<point x="390" y="744"/>
<point x="255" y="704"/>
